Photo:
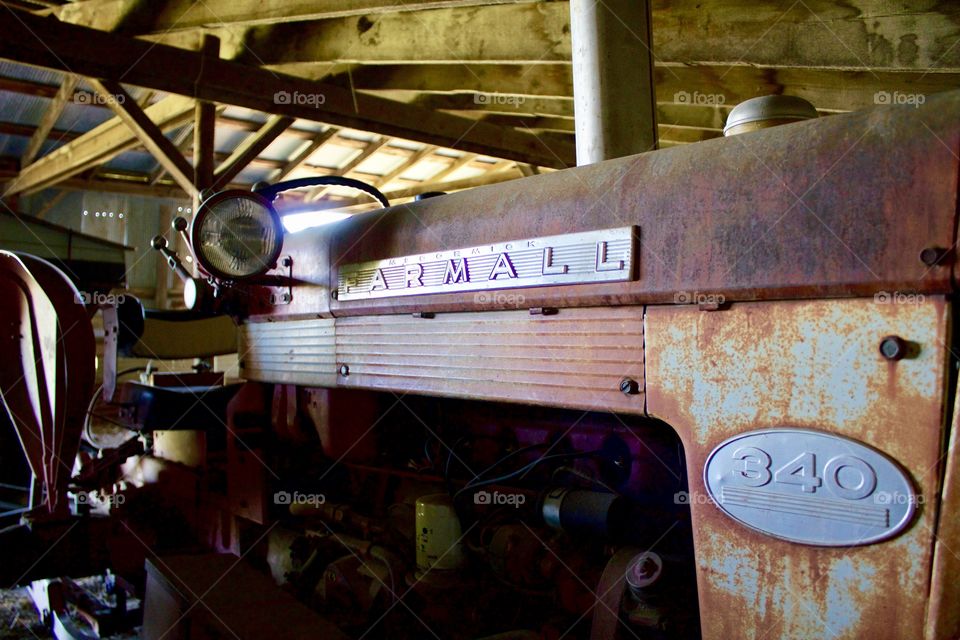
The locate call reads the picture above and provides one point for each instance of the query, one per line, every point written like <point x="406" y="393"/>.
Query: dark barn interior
<point x="479" y="319"/>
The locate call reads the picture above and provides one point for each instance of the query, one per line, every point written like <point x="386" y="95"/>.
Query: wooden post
<point x="204" y="128"/>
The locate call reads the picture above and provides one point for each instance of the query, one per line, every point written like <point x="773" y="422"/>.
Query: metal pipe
<point x="613" y="91"/>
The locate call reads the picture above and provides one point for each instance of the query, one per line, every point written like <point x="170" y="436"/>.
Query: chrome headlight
<point x="236" y="234"/>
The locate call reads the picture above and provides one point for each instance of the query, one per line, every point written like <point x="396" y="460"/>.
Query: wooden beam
<point x="204" y="127"/>
<point x="823" y="34"/>
<point x="304" y="154"/>
<point x="181" y="141"/>
<point x="455" y="164"/>
<point x="55" y="45"/>
<point x="96" y="147"/>
<point x="385" y="179"/>
<point x="149" y="134"/>
<point x="250" y="149"/>
<point x="26" y="131"/>
<point x="49" y="118"/>
<point x="701" y="85"/>
<point x="179" y="15"/>
<point x="372" y="147"/>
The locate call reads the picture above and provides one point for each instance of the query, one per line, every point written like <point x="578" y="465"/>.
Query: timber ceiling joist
<point x="489" y="77"/>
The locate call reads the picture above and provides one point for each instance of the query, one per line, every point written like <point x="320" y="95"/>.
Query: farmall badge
<point x="574" y="258"/>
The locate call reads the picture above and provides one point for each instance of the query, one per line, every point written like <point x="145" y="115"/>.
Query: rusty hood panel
<point x="838" y="206"/>
<point x="813" y="365"/>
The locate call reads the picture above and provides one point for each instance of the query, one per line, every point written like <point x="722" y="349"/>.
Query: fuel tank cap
<point x="767" y="111"/>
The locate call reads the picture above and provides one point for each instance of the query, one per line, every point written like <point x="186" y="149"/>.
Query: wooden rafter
<point x="250" y="149"/>
<point x="372" y="147"/>
<point x="96" y="147"/>
<point x="204" y="125"/>
<point x="147" y="131"/>
<point x="301" y="156"/>
<point x="47" y="43"/>
<point x="49" y="119"/>
<point x="180" y="15"/>
<point x="385" y="179"/>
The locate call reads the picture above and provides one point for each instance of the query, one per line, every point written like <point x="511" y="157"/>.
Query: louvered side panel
<point x="576" y="358"/>
<point x="292" y="352"/>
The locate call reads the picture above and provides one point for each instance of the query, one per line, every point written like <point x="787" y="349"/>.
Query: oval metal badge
<point x="810" y="487"/>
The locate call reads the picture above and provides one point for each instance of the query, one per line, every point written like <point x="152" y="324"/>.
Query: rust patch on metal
<point x="812" y="365"/>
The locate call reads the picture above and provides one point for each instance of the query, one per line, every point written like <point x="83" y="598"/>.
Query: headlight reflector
<point x="236" y="234"/>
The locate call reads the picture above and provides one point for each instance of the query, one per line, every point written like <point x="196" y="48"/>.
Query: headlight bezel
<point x="207" y="208"/>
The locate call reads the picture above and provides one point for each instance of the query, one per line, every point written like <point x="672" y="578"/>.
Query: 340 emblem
<point x="810" y="487"/>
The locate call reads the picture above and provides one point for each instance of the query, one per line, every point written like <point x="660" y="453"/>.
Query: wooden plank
<point x="372" y="147"/>
<point x="51" y="44"/>
<point x="96" y="147"/>
<point x="702" y="85"/>
<point x="179" y="15"/>
<point x="304" y="154"/>
<point x="204" y="126"/>
<point x="249" y="149"/>
<point x="385" y="179"/>
<point x="766" y="33"/>
<point x="149" y="134"/>
<point x="49" y="118"/>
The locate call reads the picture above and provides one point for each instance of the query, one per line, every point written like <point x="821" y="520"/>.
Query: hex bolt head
<point x="344" y="370"/>
<point x="933" y="256"/>
<point x="629" y="387"/>
<point x="893" y="348"/>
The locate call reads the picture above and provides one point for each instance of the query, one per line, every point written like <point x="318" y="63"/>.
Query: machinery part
<point x="236" y="234"/>
<point x="439" y="545"/>
<point x="270" y="192"/>
<point x="47" y="333"/>
<point x="894" y="348"/>
<point x="767" y="111"/>
<point x="612" y="586"/>
<point x="186" y="446"/>
<point x="644" y="571"/>
<point x="584" y="512"/>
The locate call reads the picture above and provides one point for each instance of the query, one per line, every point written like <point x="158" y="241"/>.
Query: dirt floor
<point x="19" y="619"/>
